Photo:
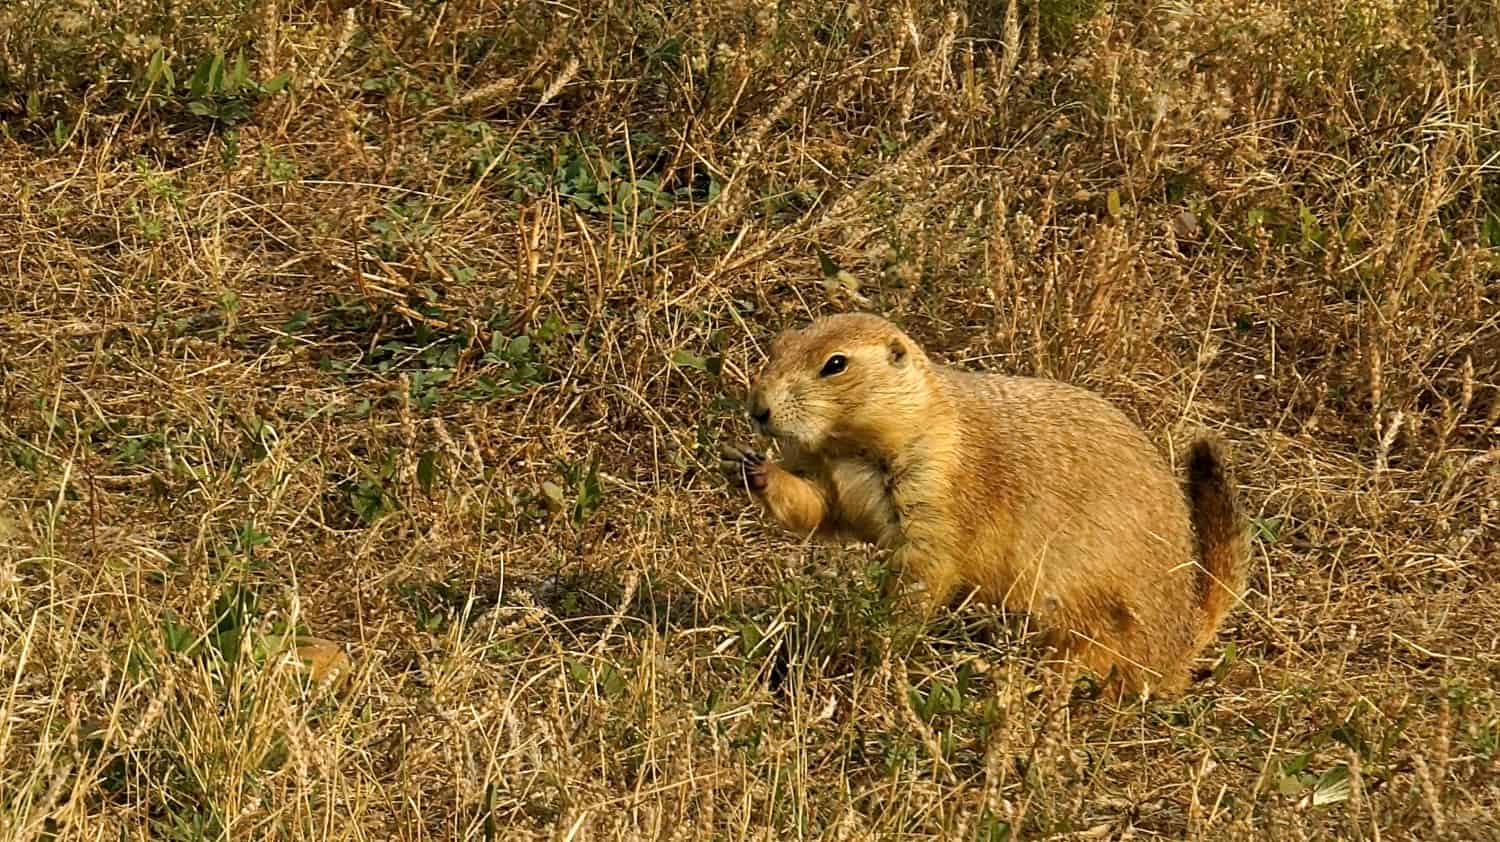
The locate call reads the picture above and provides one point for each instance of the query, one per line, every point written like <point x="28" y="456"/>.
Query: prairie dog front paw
<point x="743" y="466"/>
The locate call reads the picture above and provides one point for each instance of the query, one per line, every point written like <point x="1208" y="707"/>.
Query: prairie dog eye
<point x="835" y="364"/>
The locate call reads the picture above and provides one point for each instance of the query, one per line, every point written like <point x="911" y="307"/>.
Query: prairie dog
<point x="1041" y="496"/>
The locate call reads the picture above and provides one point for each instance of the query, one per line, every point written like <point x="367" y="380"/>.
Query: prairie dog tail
<point x="1223" y="541"/>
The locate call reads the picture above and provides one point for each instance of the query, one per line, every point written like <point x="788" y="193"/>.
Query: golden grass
<point x="428" y="354"/>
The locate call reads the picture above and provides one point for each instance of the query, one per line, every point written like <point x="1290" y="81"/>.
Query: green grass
<point x="415" y="328"/>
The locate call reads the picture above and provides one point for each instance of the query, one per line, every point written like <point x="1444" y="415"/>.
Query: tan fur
<point x="1039" y="495"/>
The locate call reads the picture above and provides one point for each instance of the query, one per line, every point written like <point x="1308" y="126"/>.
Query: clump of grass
<point x="414" y="328"/>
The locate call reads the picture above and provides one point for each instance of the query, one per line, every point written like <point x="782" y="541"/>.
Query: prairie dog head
<point x="853" y="378"/>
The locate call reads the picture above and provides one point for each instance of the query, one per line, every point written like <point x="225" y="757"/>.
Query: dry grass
<point x="428" y="352"/>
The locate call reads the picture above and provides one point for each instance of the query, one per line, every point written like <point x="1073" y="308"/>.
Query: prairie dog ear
<point x="898" y="351"/>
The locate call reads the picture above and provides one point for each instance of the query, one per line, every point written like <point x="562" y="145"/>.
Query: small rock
<point x="1185" y="226"/>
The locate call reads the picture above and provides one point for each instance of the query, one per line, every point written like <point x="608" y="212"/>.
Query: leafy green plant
<point x="428" y="468"/>
<point x="223" y="91"/>
<point x="1491" y="229"/>
<point x="219" y="88"/>
<point x="367" y="491"/>
<point x="275" y="166"/>
<point x="234" y="613"/>
<point x="246" y="539"/>
<point x="516" y="361"/>
<point x="606" y="678"/>
<point x="603" y="184"/>
<point x="1061" y="19"/>
<point x="434" y="605"/>
<point x="1266" y="529"/>
<point x="587" y="493"/>
<point x="711" y="363"/>
<point x="591" y="179"/>
<point x="395" y="79"/>
<point x="1482" y="738"/>
<point x="148" y="223"/>
<point x="132" y="449"/>
<point x="942" y="697"/>
<point x="369" y="499"/>
<point x="992" y="829"/>
<point x="402" y="226"/>
<point x="175" y="636"/>
<point x="426" y="385"/>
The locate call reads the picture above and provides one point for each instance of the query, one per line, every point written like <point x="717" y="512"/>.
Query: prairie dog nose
<point x="759" y="411"/>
